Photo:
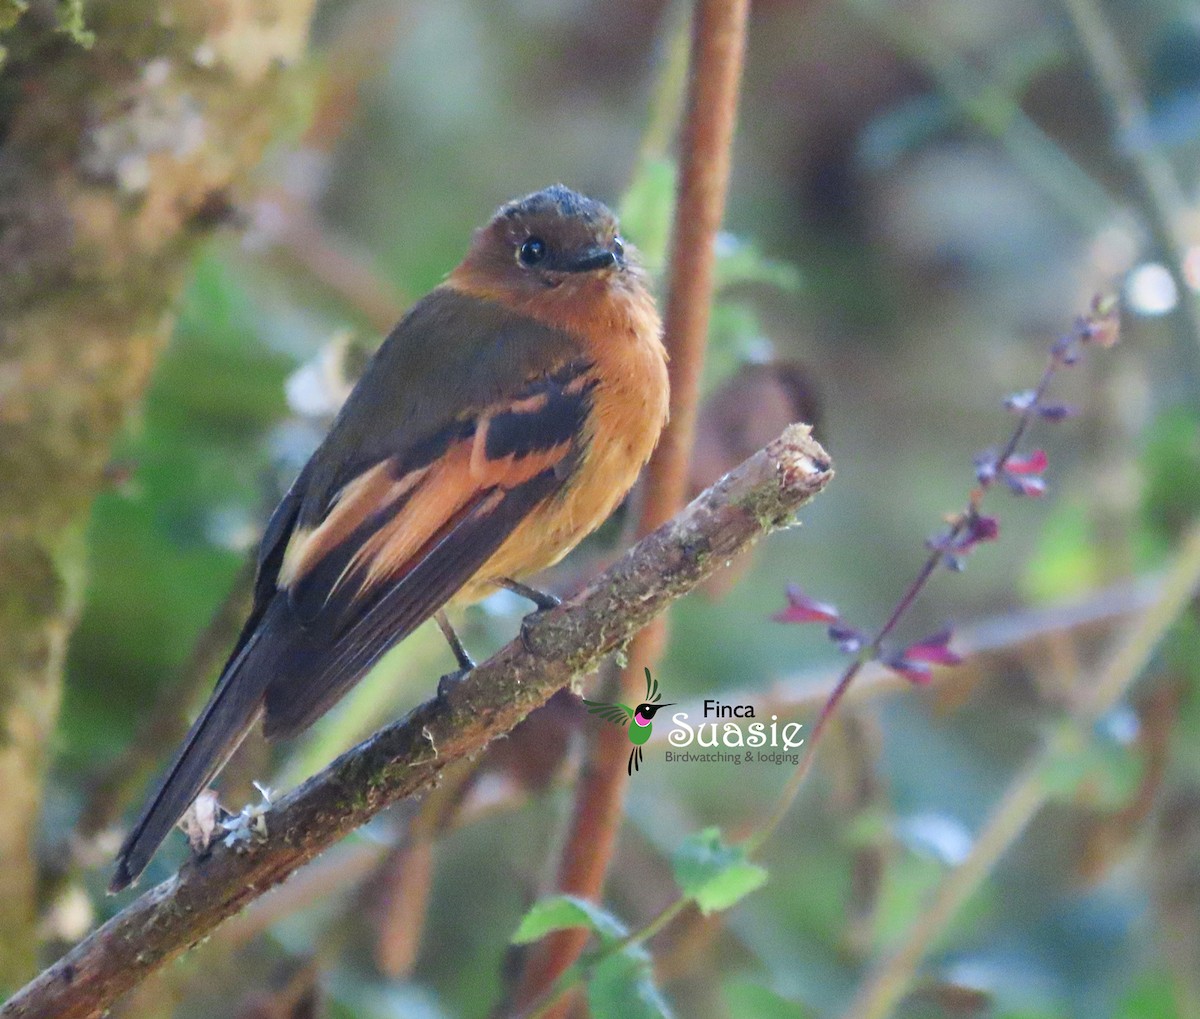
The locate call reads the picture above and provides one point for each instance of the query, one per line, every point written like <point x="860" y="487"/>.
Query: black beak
<point x="592" y="258"/>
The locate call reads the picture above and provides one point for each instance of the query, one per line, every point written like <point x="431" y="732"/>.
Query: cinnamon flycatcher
<point x="500" y="422"/>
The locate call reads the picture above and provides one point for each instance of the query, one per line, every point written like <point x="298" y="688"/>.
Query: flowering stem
<point x="887" y="982"/>
<point x="1061" y="355"/>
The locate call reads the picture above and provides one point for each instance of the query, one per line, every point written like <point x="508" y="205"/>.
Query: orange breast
<point x="629" y="409"/>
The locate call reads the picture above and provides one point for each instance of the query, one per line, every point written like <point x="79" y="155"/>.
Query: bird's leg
<point x="541" y="599"/>
<point x="465" y="662"/>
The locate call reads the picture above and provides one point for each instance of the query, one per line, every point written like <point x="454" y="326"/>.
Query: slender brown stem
<point x="558" y="646"/>
<point x="1003" y="636"/>
<point x="715" y="72"/>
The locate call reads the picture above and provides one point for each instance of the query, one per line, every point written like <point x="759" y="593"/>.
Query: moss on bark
<point x="108" y="157"/>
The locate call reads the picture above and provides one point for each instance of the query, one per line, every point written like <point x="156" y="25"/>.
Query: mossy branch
<point x="400" y="760"/>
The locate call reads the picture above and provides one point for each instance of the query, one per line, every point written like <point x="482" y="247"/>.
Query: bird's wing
<point x="651" y="686"/>
<point x="375" y="549"/>
<point x="618" y="714"/>
<point x="468" y="417"/>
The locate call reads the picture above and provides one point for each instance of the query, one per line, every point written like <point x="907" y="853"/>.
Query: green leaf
<point x="561" y="912"/>
<point x="713" y="874"/>
<point x="746" y="1000"/>
<point x="622" y="987"/>
<point x="71" y="23"/>
<point x="735" y="334"/>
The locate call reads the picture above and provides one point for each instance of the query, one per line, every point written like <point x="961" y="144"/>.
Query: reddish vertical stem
<point x="717" y="57"/>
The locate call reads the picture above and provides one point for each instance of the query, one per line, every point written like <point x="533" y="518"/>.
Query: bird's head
<point x="549" y="249"/>
<point x="646" y="711"/>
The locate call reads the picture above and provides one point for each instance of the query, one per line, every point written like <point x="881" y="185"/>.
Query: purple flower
<point x="1022" y="401"/>
<point x="849" y="639"/>
<point x="975" y="530"/>
<point x="1022" y="473"/>
<point x="1056" y="411"/>
<point x="1031" y="463"/>
<point x="985" y="467"/>
<point x="803" y="609"/>
<point x="933" y="649"/>
<point x="915" y="661"/>
<point x="1035" y="488"/>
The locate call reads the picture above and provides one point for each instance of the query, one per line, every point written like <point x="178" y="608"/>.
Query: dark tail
<point x="230" y="713"/>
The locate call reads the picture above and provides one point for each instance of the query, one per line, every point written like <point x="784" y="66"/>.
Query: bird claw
<point x="526" y="622"/>
<point x="449" y="681"/>
<point x="546" y="601"/>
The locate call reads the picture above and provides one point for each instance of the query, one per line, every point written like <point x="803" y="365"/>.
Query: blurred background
<point x="925" y="194"/>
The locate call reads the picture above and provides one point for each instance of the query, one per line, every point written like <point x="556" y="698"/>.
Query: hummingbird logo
<point x="640" y="720"/>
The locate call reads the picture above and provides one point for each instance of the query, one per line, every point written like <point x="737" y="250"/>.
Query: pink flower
<point x="803" y="609"/>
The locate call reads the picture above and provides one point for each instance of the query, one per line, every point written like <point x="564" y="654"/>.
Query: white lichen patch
<point x="257" y="35"/>
<point x="155" y="120"/>
<point x="318" y="388"/>
<point x="250" y="825"/>
<point x="204" y="56"/>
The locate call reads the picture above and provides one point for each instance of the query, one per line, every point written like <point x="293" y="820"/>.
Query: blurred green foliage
<point x="163" y="543"/>
<point x="895" y="226"/>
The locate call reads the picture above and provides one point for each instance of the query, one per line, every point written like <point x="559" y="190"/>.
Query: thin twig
<point x="887" y="982"/>
<point x="717" y="57"/>
<point x="558" y="646"/>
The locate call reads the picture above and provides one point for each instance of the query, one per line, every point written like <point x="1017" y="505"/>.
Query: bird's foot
<point x="449" y="681"/>
<point x="526" y="623"/>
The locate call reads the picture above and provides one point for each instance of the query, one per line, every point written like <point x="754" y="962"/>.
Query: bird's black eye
<point x="618" y="247"/>
<point x="532" y="251"/>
